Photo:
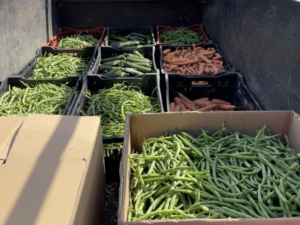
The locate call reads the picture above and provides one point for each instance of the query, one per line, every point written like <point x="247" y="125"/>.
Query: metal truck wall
<point x="128" y="13"/>
<point x="24" y="27"/>
<point x="261" y="39"/>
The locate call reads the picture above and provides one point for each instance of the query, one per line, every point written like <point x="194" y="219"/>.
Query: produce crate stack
<point x="115" y="73"/>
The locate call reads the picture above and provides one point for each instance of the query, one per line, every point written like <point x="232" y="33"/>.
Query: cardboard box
<point x="54" y="173"/>
<point x="9" y="129"/>
<point x="146" y="126"/>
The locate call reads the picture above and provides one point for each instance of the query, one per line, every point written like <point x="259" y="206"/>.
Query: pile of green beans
<point x="125" y="64"/>
<point x="214" y="176"/>
<point x="181" y="36"/>
<point x="108" y="151"/>
<point x="40" y="99"/>
<point x="78" y="41"/>
<point x="58" y="66"/>
<point x="115" y="103"/>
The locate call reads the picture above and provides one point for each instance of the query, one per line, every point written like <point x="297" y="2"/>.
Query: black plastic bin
<point x="88" y="52"/>
<point x="124" y="32"/>
<point x="16" y="82"/>
<point x="93" y="83"/>
<point x="229" y="87"/>
<point x="106" y="52"/>
<point x="112" y="159"/>
<point x="227" y="65"/>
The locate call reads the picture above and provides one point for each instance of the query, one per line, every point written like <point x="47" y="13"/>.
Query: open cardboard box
<point x="53" y="172"/>
<point x="146" y="126"/>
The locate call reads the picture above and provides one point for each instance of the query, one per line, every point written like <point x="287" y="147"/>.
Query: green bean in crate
<point x="20" y="97"/>
<point x="114" y="104"/>
<point x="58" y="66"/>
<point x="223" y="175"/>
<point x="78" y="40"/>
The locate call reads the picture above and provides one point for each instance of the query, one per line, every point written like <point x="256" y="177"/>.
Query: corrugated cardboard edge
<point x="91" y="194"/>
<point x="123" y="171"/>
<point x="124" y="178"/>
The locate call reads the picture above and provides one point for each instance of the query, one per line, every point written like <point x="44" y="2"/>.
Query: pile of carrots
<point x="182" y="104"/>
<point x="196" y="61"/>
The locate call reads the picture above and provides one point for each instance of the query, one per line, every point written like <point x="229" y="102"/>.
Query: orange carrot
<point x="227" y="107"/>
<point x="165" y="52"/>
<point x="208" y="108"/>
<point x="188" y="105"/>
<point x="186" y="99"/>
<point x="203" y="103"/>
<point x="220" y="102"/>
<point x="207" y="70"/>
<point x="182" y="106"/>
<point x="171" y="68"/>
<point x="177" y="100"/>
<point x="194" y="47"/>
<point x="177" y="108"/>
<point x="184" y="62"/>
<point x="205" y="53"/>
<point x="172" y="107"/>
<point x="203" y="58"/>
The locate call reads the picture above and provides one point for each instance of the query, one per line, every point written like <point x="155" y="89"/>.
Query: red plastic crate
<point x="98" y="33"/>
<point x="197" y="28"/>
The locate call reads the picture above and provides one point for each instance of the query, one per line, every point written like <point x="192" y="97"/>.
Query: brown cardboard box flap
<point x="40" y="193"/>
<point x="154" y="125"/>
<point x="50" y="138"/>
<point x="9" y="128"/>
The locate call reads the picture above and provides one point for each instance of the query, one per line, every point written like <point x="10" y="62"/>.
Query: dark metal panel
<point x="130" y="14"/>
<point x="261" y="40"/>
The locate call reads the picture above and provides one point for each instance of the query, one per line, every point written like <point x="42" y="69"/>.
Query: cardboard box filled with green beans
<point x="113" y="99"/>
<point x="211" y="168"/>
<point x="20" y="97"/>
<point x="50" y="63"/>
<point x="116" y="63"/>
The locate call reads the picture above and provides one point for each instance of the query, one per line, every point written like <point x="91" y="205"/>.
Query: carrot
<point x="184" y="62"/>
<point x="201" y="68"/>
<point x="200" y="48"/>
<point x="183" y="110"/>
<point x="172" y="107"/>
<point x="182" y="106"/>
<point x="177" y="100"/>
<point x="211" y="70"/>
<point x="203" y="58"/>
<point x="220" y="102"/>
<point x="186" y="99"/>
<point x="203" y="103"/>
<point x="207" y="70"/>
<point x="171" y="68"/>
<point x="208" y="108"/>
<point x="194" y="47"/>
<point x="188" y="105"/>
<point x="227" y="107"/>
<point x="204" y="52"/>
<point x="201" y="99"/>
<point x="189" y="50"/>
<point x="177" y="108"/>
<point x="165" y="52"/>
<point x="216" y="69"/>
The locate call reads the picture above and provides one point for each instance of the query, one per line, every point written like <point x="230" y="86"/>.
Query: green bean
<point x="58" y="66"/>
<point x="181" y="36"/>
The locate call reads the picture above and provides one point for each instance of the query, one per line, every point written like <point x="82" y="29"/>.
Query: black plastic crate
<point x="16" y="82"/>
<point x="112" y="159"/>
<point x="106" y="52"/>
<point x="124" y="32"/>
<point x="229" y="87"/>
<point x="227" y="65"/>
<point x="89" y="52"/>
<point x="93" y="83"/>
